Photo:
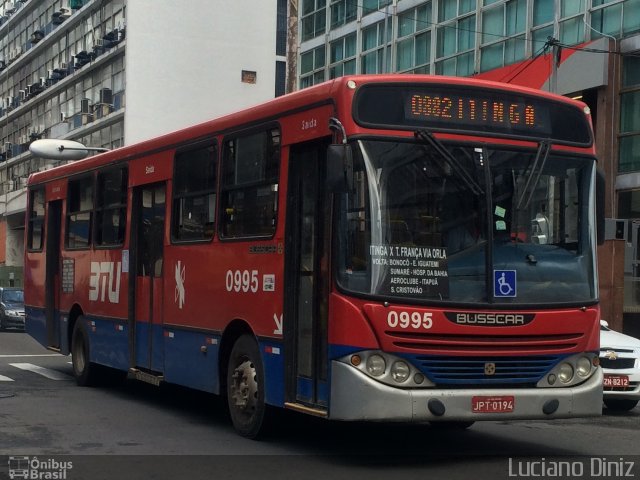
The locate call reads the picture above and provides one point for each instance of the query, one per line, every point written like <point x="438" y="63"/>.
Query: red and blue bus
<point x="388" y="248"/>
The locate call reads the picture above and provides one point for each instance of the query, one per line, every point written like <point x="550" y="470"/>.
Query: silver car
<point x="620" y="361"/>
<point x="11" y="308"/>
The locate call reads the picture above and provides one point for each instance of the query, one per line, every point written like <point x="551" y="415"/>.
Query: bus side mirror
<point x="600" y="201"/>
<point x="339" y="167"/>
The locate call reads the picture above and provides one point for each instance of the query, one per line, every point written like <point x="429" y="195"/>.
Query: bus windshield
<point x="465" y="223"/>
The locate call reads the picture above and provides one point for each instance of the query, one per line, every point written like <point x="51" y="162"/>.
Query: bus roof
<point x="331" y="92"/>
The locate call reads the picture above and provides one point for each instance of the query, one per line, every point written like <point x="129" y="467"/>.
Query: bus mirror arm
<point x="600" y="205"/>
<point x="339" y="167"/>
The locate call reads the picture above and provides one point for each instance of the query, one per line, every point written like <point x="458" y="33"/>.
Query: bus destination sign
<point x="472" y="110"/>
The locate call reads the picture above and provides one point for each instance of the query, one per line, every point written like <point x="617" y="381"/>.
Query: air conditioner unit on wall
<point x="106" y="96"/>
<point x="102" y="110"/>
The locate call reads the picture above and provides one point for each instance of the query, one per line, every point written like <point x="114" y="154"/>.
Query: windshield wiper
<point x="428" y="138"/>
<point x="541" y="157"/>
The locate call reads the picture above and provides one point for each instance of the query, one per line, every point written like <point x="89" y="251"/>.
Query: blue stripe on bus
<point x="108" y="341"/>
<point x="273" y="361"/>
<point x="191" y="359"/>
<point x="36" y="324"/>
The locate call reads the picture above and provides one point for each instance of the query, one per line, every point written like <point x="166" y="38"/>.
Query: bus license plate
<point x="613" y="381"/>
<point x="502" y="404"/>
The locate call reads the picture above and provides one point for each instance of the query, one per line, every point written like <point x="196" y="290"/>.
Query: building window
<point x="503" y="39"/>
<point x="370" y="6"/>
<point x="342" y="56"/>
<point x="572" y="25"/>
<point x="281" y="28"/>
<point x="249" y="192"/>
<point x="312" y="65"/>
<point x="194" y="194"/>
<point x="281" y="78"/>
<point x="343" y="11"/>
<point x="314" y="18"/>
<point x="79" y="213"/>
<point x="111" y="207"/>
<point x="450" y="9"/>
<point x="375" y="47"/>
<point x="455" y="43"/>
<point x="629" y="152"/>
<point x="36" y="220"/>
<point x="413" y="50"/>
<point x="615" y="18"/>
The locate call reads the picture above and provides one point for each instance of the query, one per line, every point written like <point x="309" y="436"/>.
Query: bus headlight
<point x="400" y="371"/>
<point x="565" y="373"/>
<point x="376" y="365"/>
<point x="583" y="367"/>
<point x="392" y="370"/>
<point x="571" y="371"/>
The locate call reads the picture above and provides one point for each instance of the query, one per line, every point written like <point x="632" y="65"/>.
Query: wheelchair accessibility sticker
<point x="504" y="283"/>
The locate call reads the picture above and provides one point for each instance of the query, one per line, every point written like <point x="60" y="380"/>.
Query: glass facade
<point x="449" y="37"/>
<point x="629" y="154"/>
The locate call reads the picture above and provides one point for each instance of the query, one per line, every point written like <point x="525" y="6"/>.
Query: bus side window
<point x="194" y="193"/>
<point x="79" y="212"/>
<point x="111" y="207"/>
<point x="249" y="191"/>
<point x="36" y="220"/>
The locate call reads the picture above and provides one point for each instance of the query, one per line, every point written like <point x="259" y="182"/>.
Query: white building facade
<point x="113" y="72"/>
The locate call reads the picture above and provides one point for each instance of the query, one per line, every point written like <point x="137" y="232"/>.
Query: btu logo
<point x="103" y="281"/>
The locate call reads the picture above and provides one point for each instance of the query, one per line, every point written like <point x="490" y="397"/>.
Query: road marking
<point x="39" y="355"/>
<point x="5" y="379"/>
<point x="45" y="372"/>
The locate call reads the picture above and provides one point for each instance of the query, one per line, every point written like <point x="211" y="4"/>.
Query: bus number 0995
<point x="404" y="319"/>
<point x="242" y="281"/>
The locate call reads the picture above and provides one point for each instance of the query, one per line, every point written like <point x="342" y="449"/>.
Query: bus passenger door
<point x="52" y="273"/>
<point x="147" y="235"/>
<point x="307" y="277"/>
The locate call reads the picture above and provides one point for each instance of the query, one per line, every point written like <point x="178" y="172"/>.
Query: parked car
<point x="620" y="361"/>
<point x="11" y="308"/>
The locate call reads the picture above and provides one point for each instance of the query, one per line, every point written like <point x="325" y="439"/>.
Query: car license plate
<point x="613" y="381"/>
<point x="501" y="404"/>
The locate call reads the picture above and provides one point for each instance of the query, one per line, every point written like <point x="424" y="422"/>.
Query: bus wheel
<point x="620" y="404"/>
<point x="83" y="369"/>
<point x="452" y="424"/>
<point x="245" y="387"/>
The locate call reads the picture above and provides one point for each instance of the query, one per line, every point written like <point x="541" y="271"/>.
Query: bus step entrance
<point x="147" y="377"/>
<point x="299" y="407"/>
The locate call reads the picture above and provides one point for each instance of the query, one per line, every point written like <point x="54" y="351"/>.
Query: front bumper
<point x="10" y="321"/>
<point x="355" y="396"/>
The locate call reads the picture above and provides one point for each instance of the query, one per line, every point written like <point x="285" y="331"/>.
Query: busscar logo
<point x="490" y="319"/>
<point x="38" y="469"/>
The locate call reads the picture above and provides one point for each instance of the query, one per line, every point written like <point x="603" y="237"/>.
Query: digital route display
<point x="470" y="109"/>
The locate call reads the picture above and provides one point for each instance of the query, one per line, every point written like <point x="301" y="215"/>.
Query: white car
<point x="620" y="361"/>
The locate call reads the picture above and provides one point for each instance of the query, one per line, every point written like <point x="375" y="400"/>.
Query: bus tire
<point x="620" y="404"/>
<point x="245" y="388"/>
<point x="452" y="424"/>
<point x="83" y="369"/>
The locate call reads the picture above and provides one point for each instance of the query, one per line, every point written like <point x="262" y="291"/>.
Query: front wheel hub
<point x="244" y="387"/>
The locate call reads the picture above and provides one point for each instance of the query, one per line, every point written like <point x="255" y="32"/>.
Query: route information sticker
<point x="412" y="271"/>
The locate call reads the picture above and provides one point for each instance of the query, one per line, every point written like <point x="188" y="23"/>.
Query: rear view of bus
<point x="466" y="239"/>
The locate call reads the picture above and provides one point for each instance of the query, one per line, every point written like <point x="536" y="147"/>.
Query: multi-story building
<point x="581" y="48"/>
<point x="113" y="72"/>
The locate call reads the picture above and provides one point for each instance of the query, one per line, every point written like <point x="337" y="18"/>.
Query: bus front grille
<point x="484" y="344"/>
<point x="447" y="370"/>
